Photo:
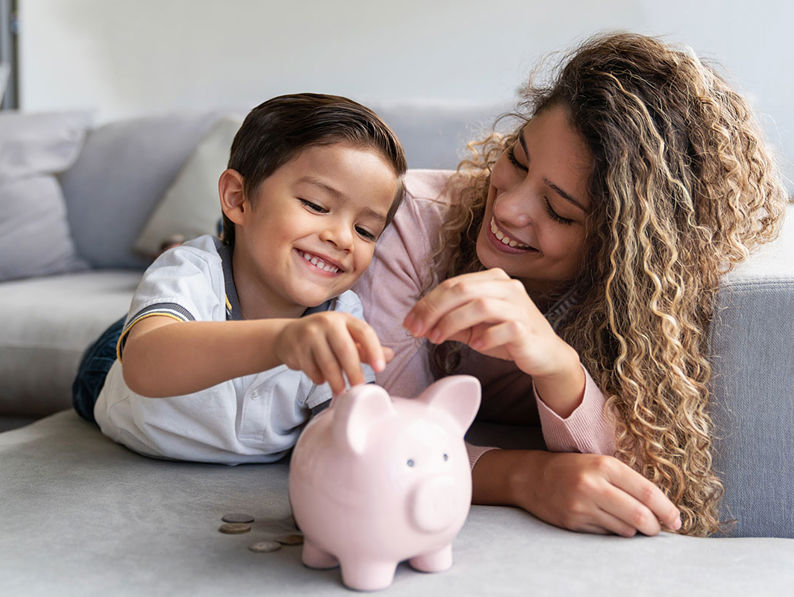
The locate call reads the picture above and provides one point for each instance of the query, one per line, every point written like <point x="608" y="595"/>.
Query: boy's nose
<point x="340" y="236"/>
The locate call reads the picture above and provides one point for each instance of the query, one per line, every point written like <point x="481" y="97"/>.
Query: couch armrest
<point x="752" y="347"/>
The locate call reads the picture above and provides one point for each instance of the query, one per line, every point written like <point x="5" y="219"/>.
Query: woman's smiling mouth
<point x="505" y="240"/>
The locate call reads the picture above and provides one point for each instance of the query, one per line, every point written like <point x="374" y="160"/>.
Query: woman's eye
<point x="365" y="233"/>
<point x="511" y="155"/>
<point x="554" y="215"/>
<point x="313" y="206"/>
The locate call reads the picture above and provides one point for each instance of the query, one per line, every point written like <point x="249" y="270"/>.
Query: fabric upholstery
<point x="46" y="324"/>
<point x="35" y="239"/>
<point x="120" y="176"/>
<point x="753" y="374"/>
<point x="85" y="516"/>
<point x="191" y="206"/>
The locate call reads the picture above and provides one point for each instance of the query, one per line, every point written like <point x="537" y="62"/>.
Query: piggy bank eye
<point x="446" y="456"/>
<point x="410" y="462"/>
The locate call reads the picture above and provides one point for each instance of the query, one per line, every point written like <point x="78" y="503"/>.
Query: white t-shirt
<point x="255" y="418"/>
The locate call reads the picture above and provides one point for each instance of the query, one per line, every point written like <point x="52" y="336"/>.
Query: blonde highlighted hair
<point x="682" y="188"/>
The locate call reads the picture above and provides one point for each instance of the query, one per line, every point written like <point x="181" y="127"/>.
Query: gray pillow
<point x="191" y="206"/>
<point x="34" y="233"/>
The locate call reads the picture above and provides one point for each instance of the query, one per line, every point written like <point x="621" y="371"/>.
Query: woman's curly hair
<point x="682" y="188"/>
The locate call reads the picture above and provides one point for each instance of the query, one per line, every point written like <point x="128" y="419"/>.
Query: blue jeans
<point x="93" y="370"/>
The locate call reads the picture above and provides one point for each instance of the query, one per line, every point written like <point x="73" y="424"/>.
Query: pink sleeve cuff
<point x="588" y="429"/>
<point x="476" y="451"/>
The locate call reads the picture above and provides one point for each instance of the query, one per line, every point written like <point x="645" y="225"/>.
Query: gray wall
<point x="127" y="57"/>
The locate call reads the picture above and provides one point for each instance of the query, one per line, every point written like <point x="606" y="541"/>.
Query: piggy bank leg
<point x="434" y="561"/>
<point x="314" y="557"/>
<point x="367" y="576"/>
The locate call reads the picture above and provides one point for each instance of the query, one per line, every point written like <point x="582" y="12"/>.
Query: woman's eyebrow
<point x="565" y="195"/>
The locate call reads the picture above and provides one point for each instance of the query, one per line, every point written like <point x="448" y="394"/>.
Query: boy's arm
<point x="165" y="357"/>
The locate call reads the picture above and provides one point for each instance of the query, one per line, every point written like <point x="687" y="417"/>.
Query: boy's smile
<point x="309" y="232"/>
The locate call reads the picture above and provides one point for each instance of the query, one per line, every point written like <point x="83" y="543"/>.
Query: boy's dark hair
<point x="277" y="130"/>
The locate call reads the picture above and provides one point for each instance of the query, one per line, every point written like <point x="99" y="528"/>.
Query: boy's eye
<point x="366" y="233"/>
<point x="313" y="206"/>
<point x="511" y="155"/>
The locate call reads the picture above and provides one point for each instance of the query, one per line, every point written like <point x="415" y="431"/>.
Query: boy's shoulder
<point x="347" y="302"/>
<point x="202" y="251"/>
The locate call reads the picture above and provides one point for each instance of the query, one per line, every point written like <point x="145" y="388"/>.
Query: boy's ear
<point x="231" y="189"/>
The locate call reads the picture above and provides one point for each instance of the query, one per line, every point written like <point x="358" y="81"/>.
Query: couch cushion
<point x="45" y="326"/>
<point x="120" y="176"/>
<point x="753" y="369"/>
<point x="35" y="239"/>
<point x="85" y="516"/>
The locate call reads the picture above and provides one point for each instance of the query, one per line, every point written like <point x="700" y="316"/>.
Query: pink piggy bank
<point x="375" y="480"/>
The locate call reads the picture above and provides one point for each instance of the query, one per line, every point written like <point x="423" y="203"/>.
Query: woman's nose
<point x="513" y="205"/>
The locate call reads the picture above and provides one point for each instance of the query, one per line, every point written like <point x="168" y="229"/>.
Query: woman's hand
<point x="494" y="315"/>
<point x="330" y="346"/>
<point x="580" y="492"/>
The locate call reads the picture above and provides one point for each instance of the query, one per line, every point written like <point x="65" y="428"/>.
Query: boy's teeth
<point x="317" y="262"/>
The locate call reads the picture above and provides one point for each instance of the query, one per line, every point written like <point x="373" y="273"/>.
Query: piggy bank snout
<point x="434" y="505"/>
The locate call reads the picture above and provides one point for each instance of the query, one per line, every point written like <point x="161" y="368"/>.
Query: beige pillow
<point x="190" y="207"/>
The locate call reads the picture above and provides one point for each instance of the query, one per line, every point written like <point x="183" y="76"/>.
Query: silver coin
<point x="234" y="528"/>
<point x="237" y="517"/>
<point x="290" y="539"/>
<point x="265" y="546"/>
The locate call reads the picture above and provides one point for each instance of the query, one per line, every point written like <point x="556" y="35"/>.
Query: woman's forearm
<point x="563" y="389"/>
<point x="505" y="478"/>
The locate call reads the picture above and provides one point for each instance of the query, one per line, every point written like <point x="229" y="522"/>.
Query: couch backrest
<point x="126" y="167"/>
<point x="121" y="174"/>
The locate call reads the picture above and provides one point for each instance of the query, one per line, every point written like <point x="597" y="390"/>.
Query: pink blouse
<point x="392" y="285"/>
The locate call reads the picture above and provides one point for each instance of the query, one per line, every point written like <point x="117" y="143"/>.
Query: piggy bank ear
<point x="457" y="395"/>
<point x="356" y="411"/>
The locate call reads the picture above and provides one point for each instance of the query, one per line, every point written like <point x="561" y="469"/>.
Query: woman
<point x="591" y="239"/>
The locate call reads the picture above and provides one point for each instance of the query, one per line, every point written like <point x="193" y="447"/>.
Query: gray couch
<point x="83" y="516"/>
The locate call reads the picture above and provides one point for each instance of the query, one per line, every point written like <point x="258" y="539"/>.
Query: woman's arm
<point x="580" y="492"/>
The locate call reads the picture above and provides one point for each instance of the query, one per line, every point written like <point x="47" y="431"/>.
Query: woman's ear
<point x="231" y="189"/>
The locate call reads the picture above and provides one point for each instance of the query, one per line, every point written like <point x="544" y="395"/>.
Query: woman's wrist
<point x="506" y="478"/>
<point x="562" y="389"/>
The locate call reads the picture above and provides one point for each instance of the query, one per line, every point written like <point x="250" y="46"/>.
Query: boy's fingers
<point x="346" y="354"/>
<point x="368" y="346"/>
<point x="329" y="367"/>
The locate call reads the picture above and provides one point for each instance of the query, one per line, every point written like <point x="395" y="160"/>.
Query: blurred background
<point x="125" y="58"/>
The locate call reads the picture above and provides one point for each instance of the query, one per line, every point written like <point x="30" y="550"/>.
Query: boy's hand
<point x="331" y="346"/>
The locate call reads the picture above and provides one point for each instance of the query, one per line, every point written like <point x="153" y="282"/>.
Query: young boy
<point x="230" y="345"/>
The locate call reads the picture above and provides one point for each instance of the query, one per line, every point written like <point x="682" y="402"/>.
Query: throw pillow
<point x="34" y="233"/>
<point x="190" y="207"/>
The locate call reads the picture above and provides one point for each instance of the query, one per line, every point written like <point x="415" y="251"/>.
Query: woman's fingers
<point x="654" y="504"/>
<point x="630" y="514"/>
<point x="596" y="493"/>
<point x="455" y="292"/>
<point x="604" y="523"/>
